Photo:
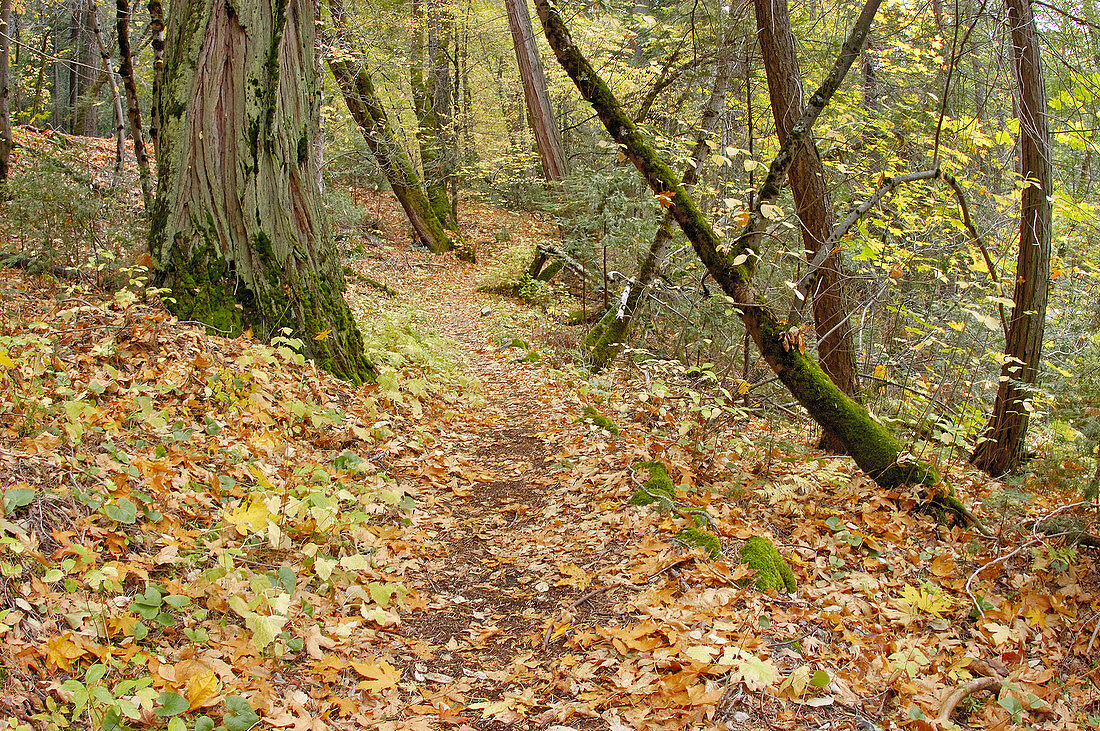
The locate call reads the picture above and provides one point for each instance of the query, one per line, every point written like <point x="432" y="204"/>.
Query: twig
<point x="999" y="559"/>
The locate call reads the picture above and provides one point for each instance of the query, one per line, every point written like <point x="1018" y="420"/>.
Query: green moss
<point x="591" y="415"/>
<point x="696" y="537"/>
<point x="772" y="572"/>
<point x="659" y="485"/>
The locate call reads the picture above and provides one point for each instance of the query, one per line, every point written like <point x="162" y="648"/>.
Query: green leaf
<point x="17" y="497"/>
<point x="124" y="511"/>
<point x="95" y="673"/>
<point x="820" y="679"/>
<point x="239" y="715"/>
<point x="171" y="704"/>
<point x="177" y="724"/>
<point x="177" y="600"/>
<point x="204" y="723"/>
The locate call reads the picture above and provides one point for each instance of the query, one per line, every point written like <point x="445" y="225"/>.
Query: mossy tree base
<point x="238" y="231"/>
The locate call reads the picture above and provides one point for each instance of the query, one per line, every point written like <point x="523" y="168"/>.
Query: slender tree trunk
<point x="133" y="108"/>
<point x="86" y="69"/>
<point x="807" y="178"/>
<point x="156" y="30"/>
<point x="5" y="92"/>
<point x="430" y="134"/>
<point x="539" y="111"/>
<point x="238" y="232"/>
<point x="871" y="445"/>
<point x="120" y="120"/>
<point x="605" y="341"/>
<point x="1001" y="446"/>
<point x="39" y="80"/>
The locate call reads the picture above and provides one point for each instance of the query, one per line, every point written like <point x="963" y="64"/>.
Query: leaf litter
<point x="200" y="527"/>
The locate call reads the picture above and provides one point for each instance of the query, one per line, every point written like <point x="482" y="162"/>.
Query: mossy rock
<point x="591" y="415"/>
<point x="658" y="484"/>
<point x="466" y="252"/>
<point x="772" y="572"/>
<point x="696" y="537"/>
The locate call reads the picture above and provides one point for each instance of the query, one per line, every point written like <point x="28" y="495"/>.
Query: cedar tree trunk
<point x="1001" y="446"/>
<point x="238" y="232"/>
<point x="871" y="445"/>
<point x="539" y="112"/>
<point x="807" y="179"/>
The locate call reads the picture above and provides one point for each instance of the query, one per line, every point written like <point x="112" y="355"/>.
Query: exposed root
<point x="974" y="686"/>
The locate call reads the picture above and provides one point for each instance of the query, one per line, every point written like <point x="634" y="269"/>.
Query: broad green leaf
<point x="239" y="715"/>
<point x="17" y="497"/>
<point x="170" y="704"/>
<point x="820" y="679"/>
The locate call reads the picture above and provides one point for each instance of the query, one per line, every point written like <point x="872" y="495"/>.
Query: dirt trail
<point x="511" y="542"/>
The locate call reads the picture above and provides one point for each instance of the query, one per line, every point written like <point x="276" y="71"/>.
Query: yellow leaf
<point x="377" y="675"/>
<point x="202" y="688"/>
<point x="323" y="335"/>
<point x="264" y="628"/>
<point x="249" y="519"/>
<point x="701" y="653"/>
<point x="61" y="651"/>
<point x="5" y="360"/>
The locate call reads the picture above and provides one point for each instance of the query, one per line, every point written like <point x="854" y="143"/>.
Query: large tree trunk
<point x="133" y="108"/>
<point x="807" y="177"/>
<point x="605" y="341"/>
<point x="539" y="111"/>
<point x="5" y="91"/>
<point x="430" y="93"/>
<point x="871" y="445"/>
<point x="238" y="231"/>
<point x="1002" y="443"/>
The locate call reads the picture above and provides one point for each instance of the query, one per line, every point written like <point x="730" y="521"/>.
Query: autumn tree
<point x="733" y="264"/>
<point x="238" y="233"/>
<point x="807" y="179"/>
<point x="1001" y="446"/>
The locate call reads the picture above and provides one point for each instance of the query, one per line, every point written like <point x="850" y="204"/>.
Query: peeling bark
<point x="238" y="232"/>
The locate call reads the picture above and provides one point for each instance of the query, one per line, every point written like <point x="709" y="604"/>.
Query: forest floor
<point x="199" y="527"/>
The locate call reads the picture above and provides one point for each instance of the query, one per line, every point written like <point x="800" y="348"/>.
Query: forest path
<point x="512" y="541"/>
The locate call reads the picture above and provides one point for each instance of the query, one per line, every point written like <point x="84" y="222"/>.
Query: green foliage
<point x="772" y="572"/>
<point x="58" y="217"/>
<point x="701" y="538"/>
<point x="657" y="488"/>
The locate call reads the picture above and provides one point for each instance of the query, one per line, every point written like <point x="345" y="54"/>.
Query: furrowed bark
<point x="807" y="178"/>
<point x="871" y="445"/>
<point x="1001" y="445"/>
<point x="238" y="232"/>
<point x="539" y="111"/>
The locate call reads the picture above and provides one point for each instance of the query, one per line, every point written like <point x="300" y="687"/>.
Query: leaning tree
<point x="238" y="233"/>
